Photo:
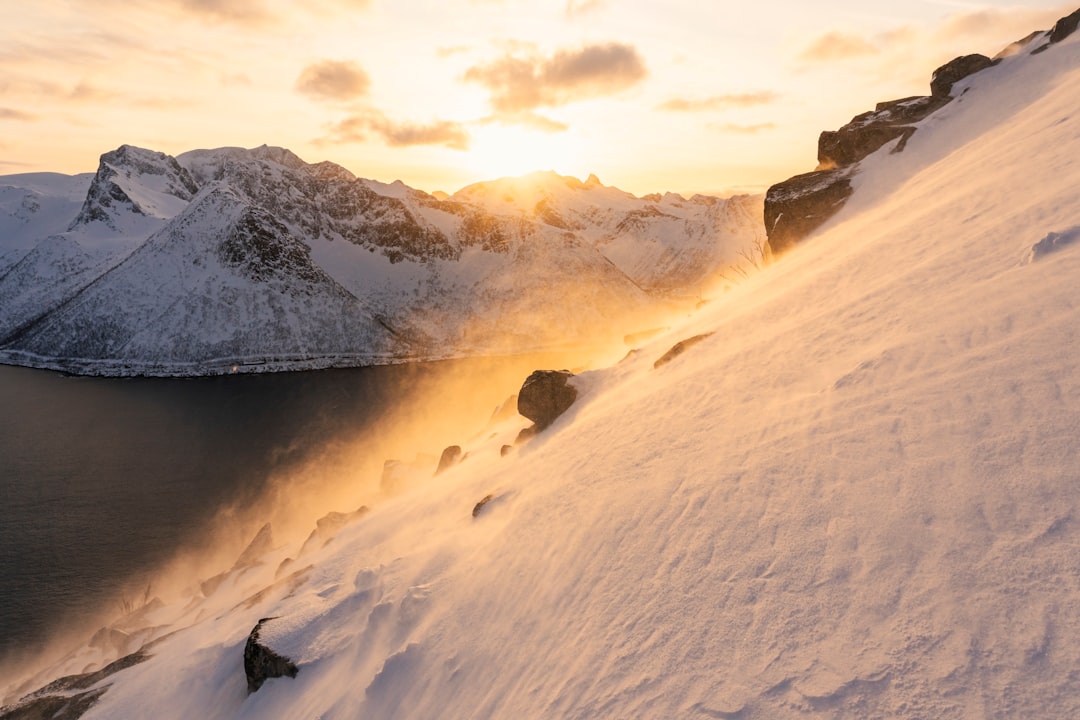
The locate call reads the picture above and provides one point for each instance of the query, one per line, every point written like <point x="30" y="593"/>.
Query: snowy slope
<point x="857" y="498"/>
<point x="448" y="278"/>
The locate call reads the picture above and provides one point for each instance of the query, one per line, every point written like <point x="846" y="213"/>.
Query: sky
<point x="685" y="96"/>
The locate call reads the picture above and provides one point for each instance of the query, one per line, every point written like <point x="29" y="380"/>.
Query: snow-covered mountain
<point x="854" y="496"/>
<point x="232" y="259"/>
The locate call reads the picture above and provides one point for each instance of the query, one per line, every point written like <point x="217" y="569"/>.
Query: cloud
<point x="520" y="85"/>
<point x="719" y="102"/>
<point x="837" y="46"/>
<point x="577" y="8"/>
<point x="359" y="128"/>
<point x="743" y="129"/>
<point x="996" y="23"/>
<point x="450" y="51"/>
<point x="536" y="121"/>
<point x="13" y="114"/>
<point x="239" y="11"/>
<point x="333" y="80"/>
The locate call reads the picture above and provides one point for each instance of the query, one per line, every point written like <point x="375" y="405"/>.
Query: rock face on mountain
<point x="798" y="206"/>
<point x="233" y="260"/>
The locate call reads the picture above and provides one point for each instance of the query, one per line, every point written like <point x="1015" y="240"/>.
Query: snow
<point x="856" y="498"/>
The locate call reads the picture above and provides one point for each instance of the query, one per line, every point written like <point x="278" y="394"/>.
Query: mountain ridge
<point x="445" y="277"/>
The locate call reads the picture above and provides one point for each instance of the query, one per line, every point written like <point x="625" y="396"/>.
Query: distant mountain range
<point x="229" y="260"/>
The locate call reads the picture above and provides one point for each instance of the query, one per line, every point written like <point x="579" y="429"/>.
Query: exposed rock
<point x="507" y="409"/>
<point x="545" y="395"/>
<point x="955" y="70"/>
<point x="60" y="699"/>
<point x="480" y="505"/>
<point x="1065" y="27"/>
<point x="679" y="348"/>
<point x="328" y="525"/>
<point x="451" y="456"/>
<point x="398" y="475"/>
<point x="108" y="197"/>
<point x="262" y="663"/>
<point x="867" y="132"/>
<point x="262" y="543"/>
<point x="802" y="204"/>
<point x="796" y="207"/>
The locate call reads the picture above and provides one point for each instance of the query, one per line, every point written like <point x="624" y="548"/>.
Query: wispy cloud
<point x="520" y="85"/>
<point x="237" y="11"/>
<point x="450" y="51"/>
<point x="719" y="102"/>
<point x="837" y="45"/>
<point x="736" y="129"/>
<point x="13" y="114"/>
<point x="577" y="8"/>
<point x="333" y="80"/>
<point x="362" y="126"/>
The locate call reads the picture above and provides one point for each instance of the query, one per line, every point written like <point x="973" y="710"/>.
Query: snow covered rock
<point x="261" y="663"/>
<point x="955" y="70"/>
<point x="679" y="348"/>
<point x="545" y="395"/>
<point x="134" y="181"/>
<point x="800" y="205"/>
<point x="450" y="457"/>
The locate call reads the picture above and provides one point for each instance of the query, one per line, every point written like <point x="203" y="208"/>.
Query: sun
<point x="508" y="151"/>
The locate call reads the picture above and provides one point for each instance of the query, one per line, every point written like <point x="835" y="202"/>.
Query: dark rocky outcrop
<point x="450" y="457"/>
<point x="261" y="663"/>
<point x="954" y="70"/>
<point x="545" y="395"/>
<point x="869" y="131"/>
<point x="69" y="697"/>
<point x="800" y="205"/>
<point x="1062" y="29"/>
<point x="679" y="348"/>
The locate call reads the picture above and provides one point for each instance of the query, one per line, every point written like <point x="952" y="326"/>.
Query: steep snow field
<point x="858" y="498"/>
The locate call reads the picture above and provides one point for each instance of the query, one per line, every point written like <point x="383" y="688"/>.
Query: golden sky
<point x="682" y="95"/>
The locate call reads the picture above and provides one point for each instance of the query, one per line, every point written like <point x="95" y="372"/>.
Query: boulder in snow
<point x="679" y="348"/>
<point x="546" y="395"/>
<point x="261" y="662"/>
<point x="954" y="70"/>
<point x="451" y="456"/>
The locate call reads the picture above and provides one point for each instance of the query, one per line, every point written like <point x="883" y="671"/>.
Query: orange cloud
<point x="358" y="128"/>
<point x="242" y="11"/>
<point x="837" y="46"/>
<point x="577" y="8"/>
<point x="719" y="102"/>
<point x="333" y="80"/>
<point x="743" y="129"/>
<point x="13" y="114"/>
<point x="520" y="85"/>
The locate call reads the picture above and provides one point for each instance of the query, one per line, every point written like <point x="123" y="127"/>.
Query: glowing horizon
<point x="689" y="97"/>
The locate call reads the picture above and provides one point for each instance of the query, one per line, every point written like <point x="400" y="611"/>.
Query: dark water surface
<point x="102" y="479"/>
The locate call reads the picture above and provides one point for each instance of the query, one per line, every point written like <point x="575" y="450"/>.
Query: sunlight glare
<point x="499" y="151"/>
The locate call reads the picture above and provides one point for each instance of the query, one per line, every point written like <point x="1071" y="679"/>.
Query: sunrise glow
<point x="686" y="96"/>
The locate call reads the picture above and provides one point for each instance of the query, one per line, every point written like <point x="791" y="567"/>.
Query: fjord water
<point x="103" y="480"/>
